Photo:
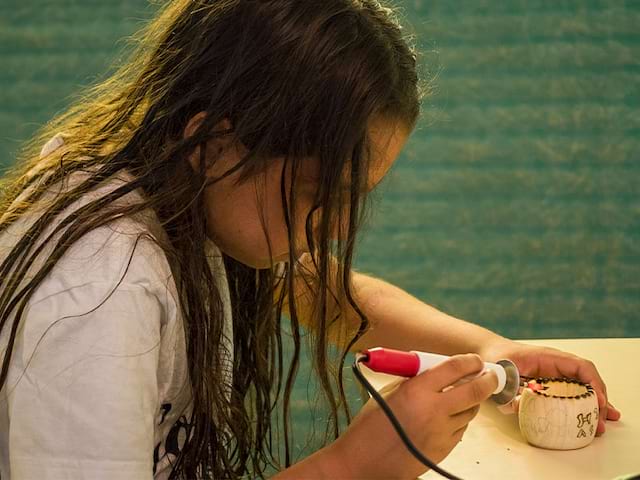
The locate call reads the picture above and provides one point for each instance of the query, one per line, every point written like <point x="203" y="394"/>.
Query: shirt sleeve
<point x="85" y="404"/>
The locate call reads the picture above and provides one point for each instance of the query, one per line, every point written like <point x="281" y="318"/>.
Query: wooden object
<point x="558" y="413"/>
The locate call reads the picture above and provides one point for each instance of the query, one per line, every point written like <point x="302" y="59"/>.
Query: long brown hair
<point x="296" y="79"/>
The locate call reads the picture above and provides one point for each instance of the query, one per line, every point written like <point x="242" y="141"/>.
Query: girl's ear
<point x="214" y="145"/>
<point x="193" y="124"/>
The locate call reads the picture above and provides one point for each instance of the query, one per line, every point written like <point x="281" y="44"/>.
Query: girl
<point x="214" y="182"/>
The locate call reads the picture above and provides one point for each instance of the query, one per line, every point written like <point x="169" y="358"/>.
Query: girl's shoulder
<point x="123" y="252"/>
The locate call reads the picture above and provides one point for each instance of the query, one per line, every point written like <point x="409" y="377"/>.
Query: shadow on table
<point x="507" y="424"/>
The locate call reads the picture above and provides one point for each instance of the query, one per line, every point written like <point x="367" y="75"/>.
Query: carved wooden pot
<point x="559" y="414"/>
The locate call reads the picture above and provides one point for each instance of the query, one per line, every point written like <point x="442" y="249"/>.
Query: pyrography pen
<point x="409" y="364"/>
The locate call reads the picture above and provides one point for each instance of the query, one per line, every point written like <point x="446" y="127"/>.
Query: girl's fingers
<point x="450" y="371"/>
<point x="603" y="414"/>
<point x="608" y="413"/>
<point x="601" y="393"/>
<point x="585" y="371"/>
<point x="470" y="394"/>
<point x="461" y="419"/>
<point x="457" y="435"/>
<point x="613" y="413"/>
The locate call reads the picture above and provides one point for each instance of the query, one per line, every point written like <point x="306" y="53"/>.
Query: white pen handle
<point x="428" y="360"/>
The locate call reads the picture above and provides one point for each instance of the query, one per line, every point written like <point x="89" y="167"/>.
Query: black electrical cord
<point x="396" y="424"/>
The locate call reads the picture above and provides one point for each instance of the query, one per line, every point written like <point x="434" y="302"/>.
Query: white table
<point x="493" y="448"/>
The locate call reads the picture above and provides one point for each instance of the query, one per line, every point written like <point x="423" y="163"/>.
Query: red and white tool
<point x="409" y="364"/>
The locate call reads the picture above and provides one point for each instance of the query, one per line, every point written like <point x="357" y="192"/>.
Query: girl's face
<point x="234" y="211"/>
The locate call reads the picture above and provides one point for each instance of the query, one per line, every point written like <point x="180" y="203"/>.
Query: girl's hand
<point x="535" y="361"/>
<point x="434" y="420"/>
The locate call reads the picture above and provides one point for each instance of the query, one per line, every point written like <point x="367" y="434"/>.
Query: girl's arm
<point x="398" y="319"/>
<point x="325" y="463"/>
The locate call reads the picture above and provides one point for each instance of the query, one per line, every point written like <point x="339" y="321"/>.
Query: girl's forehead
<point x="387" y="141"/>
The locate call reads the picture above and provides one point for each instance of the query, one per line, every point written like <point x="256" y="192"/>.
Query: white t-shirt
<point x="98" y="384"/>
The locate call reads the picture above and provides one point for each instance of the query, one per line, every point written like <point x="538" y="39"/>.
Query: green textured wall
<point x="516" y="202"/>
